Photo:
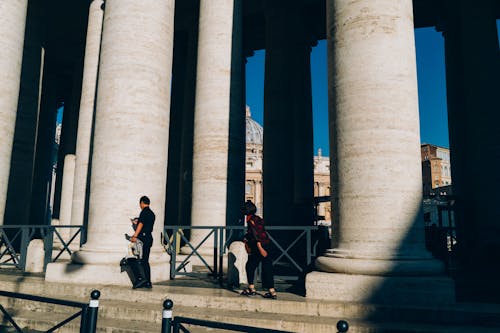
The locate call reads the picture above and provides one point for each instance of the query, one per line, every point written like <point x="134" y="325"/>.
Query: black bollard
<point x="91" y="322"/>
<point x="166" y="322"/>
<point x="342" y="326"/>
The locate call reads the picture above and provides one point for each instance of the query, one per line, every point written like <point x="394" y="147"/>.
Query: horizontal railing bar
<point x="225" y="326"/>
<point x="241" y="227"/>
<point x="42" y="299"/>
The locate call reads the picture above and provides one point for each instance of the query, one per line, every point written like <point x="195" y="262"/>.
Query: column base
<point x="100" y="274"/>
<point x="414" y="282"/>
<point x="380" y="289"/>
<point x="380" y="267"/>
<point x="89" y="267"/>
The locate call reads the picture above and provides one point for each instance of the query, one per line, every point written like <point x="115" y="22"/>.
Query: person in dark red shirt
<point x="257" y="244"/>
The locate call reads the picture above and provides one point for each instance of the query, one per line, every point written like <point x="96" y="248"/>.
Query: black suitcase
<point x="135" y="271"/>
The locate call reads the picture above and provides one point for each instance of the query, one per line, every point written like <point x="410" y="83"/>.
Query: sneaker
<point x="270" y="295"/>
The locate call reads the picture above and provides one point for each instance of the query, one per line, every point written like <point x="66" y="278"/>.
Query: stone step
<point x="39" y="321"/>
<point x="151" y="312"/>
<point x="288" y="304"/>
<point x="43" y="321"/>
<point x="289" y="312"/>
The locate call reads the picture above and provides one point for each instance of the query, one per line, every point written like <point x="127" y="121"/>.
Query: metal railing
<point x="441" y="231"/>
<point x="222" y="236"/>
<point x="171" y="324"/>
<point x="88" y="312"/>
<point x="14" y="241"/>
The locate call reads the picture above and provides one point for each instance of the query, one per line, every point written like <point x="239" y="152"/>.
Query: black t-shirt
<point x="147" y="218"/>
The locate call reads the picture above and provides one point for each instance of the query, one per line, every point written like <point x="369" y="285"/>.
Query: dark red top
<point x="256" y="231"/>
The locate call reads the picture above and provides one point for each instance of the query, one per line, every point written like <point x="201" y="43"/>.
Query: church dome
<point x="255" y="132"/>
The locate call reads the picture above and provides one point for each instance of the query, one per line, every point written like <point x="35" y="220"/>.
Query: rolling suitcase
<point x="135" y="271"/>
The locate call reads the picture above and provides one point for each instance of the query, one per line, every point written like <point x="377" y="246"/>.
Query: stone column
<point x="45" y="145"/>
<point x="178" y="203"/>
<point x="288" y="137"/>
<point x="211" y="148"/>
<point x="376" y="170"/>
<point x="130" y="143"/>
<point x="183" y="210"/>
<point x="179" y="81"/>
<point x="258" y="197"/>
<point x="67" y="192"/>
<point x="87" y="107"/>
<point x="68" y="176"/>
<point x="473" y="84"/>
<point x="69" y="129"/>
<point x="17" y="209"/>
<point x="235" y="195"/>
<point x="12" y="25"/>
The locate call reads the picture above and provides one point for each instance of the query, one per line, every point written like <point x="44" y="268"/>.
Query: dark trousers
<point x="267" y="269"/>
<point x="146" y="250"/>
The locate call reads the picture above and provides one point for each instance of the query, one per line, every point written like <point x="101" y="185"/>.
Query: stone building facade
<point x="253" y="171"/>
<point x="436" y="167"/>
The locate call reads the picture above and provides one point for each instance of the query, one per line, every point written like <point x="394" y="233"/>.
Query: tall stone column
<point x="378" y="238"/>
<point x="69" y="129"/>
<point x="17" y="209"/>
<point x="214" y="110"/>
<point x="87" y="107"/>
<point x="258" y="196"/>
<point x="473" y="84"/>
<point x="288" y="137"/>
<point x="178" y="203"/>
<point x="12" y="25"/>
<point x="130" y="143"/>
<point x="45" y="144"/>
<point x="67" y="192"/>
<point x="235" y="195"/>
<point x="68" y="176"/>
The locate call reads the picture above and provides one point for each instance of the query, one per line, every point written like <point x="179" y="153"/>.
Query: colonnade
<point x="122" y="141"/>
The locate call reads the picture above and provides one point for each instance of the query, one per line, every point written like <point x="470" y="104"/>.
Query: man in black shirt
<point x="143" y="232"/>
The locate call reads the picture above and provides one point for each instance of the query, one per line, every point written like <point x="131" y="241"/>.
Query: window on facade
<point x="248" y="188"/>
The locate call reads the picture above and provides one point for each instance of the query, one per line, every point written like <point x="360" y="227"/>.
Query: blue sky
<point x="431" y="89"/>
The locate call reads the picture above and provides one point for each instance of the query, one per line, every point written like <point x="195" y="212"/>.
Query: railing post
<point x="308" y="246"/>
<point x="91" y="321"/>
<point x="83" y="319"/>
<point x="173" y="252"/>
<point x="342" y="326"/>
<point x="221" y="254"/>
<point x="24" y="247"/>
<point x="166" y="322"/>
<point x="216" y="250"/>
<point x="48" y="244"/>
